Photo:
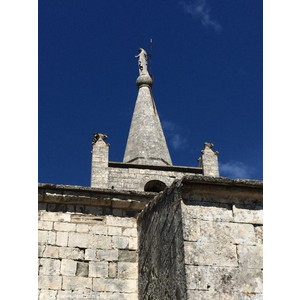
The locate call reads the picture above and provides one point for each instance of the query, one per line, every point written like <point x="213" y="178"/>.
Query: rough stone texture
<point x="146" y="142"/>
<point x="99" y="176"/>
<point x="218" y="226"/>
<point x="209" y="161"/>
<point x="86" y="255"/>
<point x="199" y="239"/>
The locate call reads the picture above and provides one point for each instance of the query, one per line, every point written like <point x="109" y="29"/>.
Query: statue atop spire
<point x="142" y="62"/>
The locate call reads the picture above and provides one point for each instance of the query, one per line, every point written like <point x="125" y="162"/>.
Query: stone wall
<point x="128" y="177"/>
<point x="219" y="222"/>
<point x="161" y="264"/>
<point x="87" y="243"/>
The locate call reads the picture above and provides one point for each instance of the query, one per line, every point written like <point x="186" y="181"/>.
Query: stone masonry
<point x="87" y="243"/>
<point x="202" y="239"/>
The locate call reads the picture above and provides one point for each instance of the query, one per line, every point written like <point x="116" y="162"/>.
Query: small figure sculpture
<point x="142" y="62"/>
<point x="99" y="136"/>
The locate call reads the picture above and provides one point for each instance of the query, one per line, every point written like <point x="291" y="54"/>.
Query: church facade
<point x="146" y="229"/>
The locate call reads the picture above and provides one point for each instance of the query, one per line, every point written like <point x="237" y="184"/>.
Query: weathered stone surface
<point x="207" y="254"/>
<point x="127" y="270"/>
<point x="248" y="214"/>
<point x="51" y="252"/>
<point x="81" y="240"/>
<point x="52" y="282"/>
<point x="63" y="226"/>
<point x="102" y="242"/>
<point x="118" y="221"/>
<point x="47" y="294"/>
<point x="76" y="283"/>
<point x="70" y="253"/>
<point x="250" y="256"/>
<point x="68" y="267"/>
<point x="82" y="269"/>
<point x="62" y="238"/>
<point x="115" y="285"/>
<point x="128" y="256"/>
<point x="55" y="216"/>
<point x="42" y="237"/>
<point x="120" y="242"/>
<point x="112" y="269"/>
<point x="82" y="227"/>
<point x="90" y="254"/>
<point x="217" y="212"/>
<point x="108" y="255"/>
<point x="99" y="229"/>
<point x="114" y="230"/>
<point x="45" y="225"/>
<point x="259" y="234"/>
<point x="98" y="269"/>
<point x="48" y="266"/>
<point x="218" y="232"/>
<point x="224" y="280"/>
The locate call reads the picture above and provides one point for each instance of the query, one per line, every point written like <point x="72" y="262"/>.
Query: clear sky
<point x="207" y="64"/>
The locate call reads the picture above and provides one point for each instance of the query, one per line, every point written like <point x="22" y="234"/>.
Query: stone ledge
<point x="79" y="195"/>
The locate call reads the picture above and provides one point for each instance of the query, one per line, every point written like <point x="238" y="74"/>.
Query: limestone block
<point x="76" y="283"/>
<point x="90" y="254"/>
<point x="45" y="225"/>
<point x="48" y="266"/>
<point x="130" y="232"/>
<point x="51" y="252"/>
<point x="112" y="269"/>
<point x="70" y="253"/>
<point x="47" y="294"/>
<point x="117" y="296"/>
<point x="41" y="250"/>
<point x="218" y="254"/>
<point x="207" y="212"/>
<point x="259" y="234"/>
<point x="64" y="295"/>
<point x="62" y="238"/>
<point x="52" y="282"/>
<point x="51" y="238"/>
<point x="68" y="267"/>
<point x="102" y="242"/>
<point x="127" y="270"/>
<point x="212" y="295"/>
<point x="108" y="255"/>
<point x="82" y="228"/>
<point x="133" y="243"/>
<point x="42" y="237"/>
<point x="98" y="269"/>
<point x="114" y="230"/>
<point x="224" y="280"/>
<point x="118" y="221"/>
<point x="63" y="226"/>
<point x="98" y="229"/>
<point x="115" y="285"/>
<point x="120" y="242"/>
<point x="244" y="215"/>
<point x="55" y="216"/>
<point x="220" y="232"/>
<point x="250" y="256"/>
<point x="81" y="240"/>
<point x="82" y="269"/>
<point x="128" y="256"/>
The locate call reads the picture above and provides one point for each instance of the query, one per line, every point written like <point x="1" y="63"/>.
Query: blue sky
<point x="207" y="64"/>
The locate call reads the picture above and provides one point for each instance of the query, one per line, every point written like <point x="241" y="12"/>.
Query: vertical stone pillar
<point x="209" y="161"/>
<point x="99" y="176"/>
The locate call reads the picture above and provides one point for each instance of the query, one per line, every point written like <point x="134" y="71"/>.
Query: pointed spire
<point x="146" y="142"/>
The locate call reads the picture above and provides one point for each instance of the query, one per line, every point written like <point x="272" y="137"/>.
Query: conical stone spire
<point x="146" y="144"/>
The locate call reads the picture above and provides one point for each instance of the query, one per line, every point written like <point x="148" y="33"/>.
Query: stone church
<point x="148" y="230"/>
